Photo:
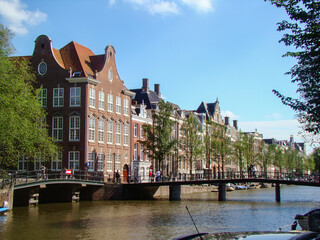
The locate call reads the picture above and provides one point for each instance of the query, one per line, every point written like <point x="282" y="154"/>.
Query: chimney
<point x="145" y="85"/>
<point x="157" y="89"/>
<point x="226" y="121"/>
<point x="235" y="124"/>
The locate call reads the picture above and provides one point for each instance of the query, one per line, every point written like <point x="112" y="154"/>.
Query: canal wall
<point x="163" y="191"/>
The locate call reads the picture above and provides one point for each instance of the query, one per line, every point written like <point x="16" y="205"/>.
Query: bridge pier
<point x="222" y="192"/>
<point x="175" y="192"/>
<point x="277" y="189"/>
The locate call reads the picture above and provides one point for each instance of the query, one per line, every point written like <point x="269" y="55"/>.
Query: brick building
<point x="88" y="108"/>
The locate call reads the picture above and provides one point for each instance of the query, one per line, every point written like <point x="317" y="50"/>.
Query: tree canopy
<point x="22" y="126"/>
<point x="159" y="143"/>
<point x="303" y="33"/>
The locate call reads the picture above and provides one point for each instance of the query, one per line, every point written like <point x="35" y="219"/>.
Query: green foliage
<point x="303" y="34"/>
<point x="316" y="158"/>
<point x="21" y="115"/>
<point x="159" y="143"/>
<point x="192" y="140"/>
<point x="239" y="151"/>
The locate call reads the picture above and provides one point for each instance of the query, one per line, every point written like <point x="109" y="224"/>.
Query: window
<point x="91" y="158"/>
<point x="75" y="96"/>
<point x="118" y="162"/>
<point x="92" y="97"/>
<point x="43" y="97"/>
<point x="110" y="132"/>
<point x="58" y="97"/>
<point x="141" y="153"/>
<point x="141" y="132"/>
<point x="118" y="105"/>
<point x="57" y="128"/>
<point x="118" y="133"/>
<point x="74" y="128"/>
<point x="101" y="100"/>
<point x="136" y="130"/>
<point x="22" y="162"/>
<point x="109" y="162"/>
<point x="126" y="134"/>
<point x="100" y="162"/>
<point x="38" y="161"/>
<point x="142" y="112"/>
<point x="125" y="107"/>
<point x="74" y="158"/>
<point x="56" y="162"/>
<point x="135" y="151"/>
<point x="101" y="131"/>
<point x="91" y="129"/>
<point x="110" y="102"/>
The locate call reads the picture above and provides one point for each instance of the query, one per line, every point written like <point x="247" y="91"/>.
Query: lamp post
<point x="114" y="167"/>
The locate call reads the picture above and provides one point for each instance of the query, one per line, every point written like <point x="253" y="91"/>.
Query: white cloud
<point x="229" y="114"/>
<point x="155" y="6"/>
<point x="164" y="7"/>
<point x="201" y="6"/>
<point x="16" y="16"/>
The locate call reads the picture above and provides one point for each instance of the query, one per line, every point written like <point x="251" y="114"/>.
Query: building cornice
<point x="83" y="80"/>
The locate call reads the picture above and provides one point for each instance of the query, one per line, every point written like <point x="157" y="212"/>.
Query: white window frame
<point x="91" y="161"/>
<point x="126" y="134"/>
<point x="92" y="128"/>
<point x="73" y="160"/>
<point x="56" y="162"/>
<point x="74" y="128"/>
<point x="109" y="162"/>
<point x="101" y="131"/>
<point x="126" y="107"/>
<point x="101" y="100"/>
<point x="117" y="162"/>
<point x="110" y="103"/>
<point x="58" y="97"/>
<point x="141" y="132"/>
<point x="135" y="151"/>
<point x="22" y="162"/>
<point x="92" y="97"/>
<point x="110" y="132"/>
<point x="43" y="97"/>
<point x="57" y="128"/>
<point x="75" y="97"/>
<point x="100" y="162"/>
<point x="118" y="105"/>
<point x="135" y="130"/>
<point x="118" y="133"/>
<point x="141" y="153"/>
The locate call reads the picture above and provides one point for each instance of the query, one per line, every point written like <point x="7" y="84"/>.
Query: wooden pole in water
<point x="277" y="189"/>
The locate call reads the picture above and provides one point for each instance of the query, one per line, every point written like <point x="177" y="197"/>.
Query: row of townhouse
<point x="97" y="121"/>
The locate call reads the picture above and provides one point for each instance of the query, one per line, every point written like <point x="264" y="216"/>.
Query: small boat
<point x="3" y="210"/>
<point x="254" y="186"/>
<point x="309" y="218"/>
<point x="241" y="187"/>
<point x="230" y="187"/>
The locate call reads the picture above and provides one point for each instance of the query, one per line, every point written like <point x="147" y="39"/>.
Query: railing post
<point x="277" y="189"/>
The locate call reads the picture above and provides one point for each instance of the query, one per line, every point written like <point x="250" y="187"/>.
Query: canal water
<point x="248" y="210"/>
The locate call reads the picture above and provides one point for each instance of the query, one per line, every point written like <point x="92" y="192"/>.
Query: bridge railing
<point x="238" y="175"/>
<point x="21" y="177"/>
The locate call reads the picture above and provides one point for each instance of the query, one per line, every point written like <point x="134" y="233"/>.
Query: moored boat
<point x="3" y="210"/>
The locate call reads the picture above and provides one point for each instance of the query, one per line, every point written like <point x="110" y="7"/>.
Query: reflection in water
<point x="160" y="219"/>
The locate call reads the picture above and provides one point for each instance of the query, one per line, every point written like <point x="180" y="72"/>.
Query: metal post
<point x="222" y="192"/>
<point x="277" y="189"/>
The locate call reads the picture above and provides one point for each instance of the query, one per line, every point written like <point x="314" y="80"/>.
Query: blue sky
<point x="197" y="50"/>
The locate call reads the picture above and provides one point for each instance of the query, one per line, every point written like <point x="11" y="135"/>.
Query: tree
<point x="21" y="115"/>
<point x="316" y="158"/>
<point x="158" y="143"/>
<point x="239" y="152"/>
<point x="303" y="34"/>
<point x="278" y="159"/>
<point x="192" y="140"/>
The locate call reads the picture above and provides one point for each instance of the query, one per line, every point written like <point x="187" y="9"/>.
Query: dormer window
<point x="76" y="74"/>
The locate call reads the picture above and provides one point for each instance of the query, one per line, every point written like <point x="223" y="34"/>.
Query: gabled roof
<point x="207" y="108"/>
<point x="76" y="57"/>
<point x="149" y="98"/>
